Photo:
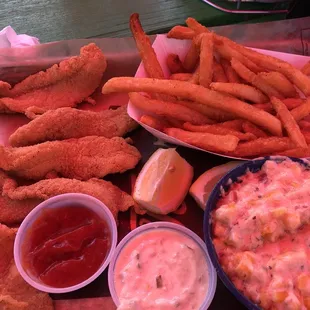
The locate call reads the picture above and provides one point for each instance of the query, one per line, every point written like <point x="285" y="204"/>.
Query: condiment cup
<point x="59" y="201"/>
<point x="169" y="226"/>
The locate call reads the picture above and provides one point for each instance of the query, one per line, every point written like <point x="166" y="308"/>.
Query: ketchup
<point x="65" y="245"/>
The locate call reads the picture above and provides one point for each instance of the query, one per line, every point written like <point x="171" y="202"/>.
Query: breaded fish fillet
<point x="63" y="85"/>
<point x="66" y="123"/>
<point x="15" y="293"/>
<point x="81" y="159"/>
<point x="114" y="198"/>
<point x="14" y="211"/>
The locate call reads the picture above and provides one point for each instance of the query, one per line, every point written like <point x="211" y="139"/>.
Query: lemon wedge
<point x="163" y="182"/>
<point x="203" y="186"/>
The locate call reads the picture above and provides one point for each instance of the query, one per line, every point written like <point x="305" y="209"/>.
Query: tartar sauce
<point x="161" y="269"/>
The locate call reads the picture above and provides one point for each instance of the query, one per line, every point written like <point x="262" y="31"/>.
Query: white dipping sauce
<point x="161" y="269"/>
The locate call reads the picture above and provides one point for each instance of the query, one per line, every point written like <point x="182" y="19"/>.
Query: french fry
<point x="304" y="125"/>
<point x="195" y="26"/>
<point x="251" y="128"/>
<point x="297" y="152"/>
<point x="206" y="60"/>
<point x="191" y="58"/>
<point x="219" y="130"/>
<point x="254" y="79"/>
<point x="206" y="141"/>
<point x="306" y="134"/>
<point x="235" y="124"/>
<point x="156" y="123"/>
<point x="181" y="33"/>
<point x="174" y="64"/>
<point x="181" y="76"/>
<point x="241" y="91"/>
<point x="195" y="77"/>
<point x="168" y="109"/>
<point x="266" y="146"/>
<point x="264" y="106"/>
<point x="306" y="68"/>
<point x="227" y="52"/>
<point x="280" y="83"/>
<point x="175" y="123"/>
<point x="292" y="103"/>
<point x="230" y="73"/>
<point x="214" y="114"/>
<point x="197" y="94"/>
<point x="146" y="51"/>
<point x="288" y="122"/>
<point x="218" y="73"/>
<point x="301" y="111"/>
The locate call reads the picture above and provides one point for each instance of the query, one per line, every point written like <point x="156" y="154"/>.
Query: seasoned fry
<point x="174" y="64"/>
<point x="146" y="51"/>
<point x="195" y="26"/>
<point x="264" y="106"/>
<point x="227" y="52"/>
<point x="198" y="94"/>
<point x="254" y="79"/>
<point x="156" y="123"/>
<point x="181" y="33"/>
<point x="205" y="140"/>
<point x="212" y="113"/>
<point x="280" y="83"/>
<point x="206" y="60"/>
<point x="288" y="122"/>
<point x="251" y="128"/>
<point x="191" y="57"/>
<point x="218" y="73"/>
<point x="235" y="124"/>
<point x="297" y="152"/>
<point x="230" y="73"/>
<point x="301" y="111"/>
<point x="181" y="76"/>
<point x="306" y="68"/>
<point x="266" y="146"/>
<point x="241" y="91"/>
<point x="164" y="108"/>
<point x="219" y="130"/>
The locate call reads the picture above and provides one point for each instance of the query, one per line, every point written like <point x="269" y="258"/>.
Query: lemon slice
<point x="203" y="186"/>
<point x="163" y="182"/>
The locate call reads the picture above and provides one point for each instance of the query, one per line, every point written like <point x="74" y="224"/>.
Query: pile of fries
<point x="222" y="97"/>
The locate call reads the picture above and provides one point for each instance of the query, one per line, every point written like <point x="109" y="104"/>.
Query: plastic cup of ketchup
<point x="65" y="243"/>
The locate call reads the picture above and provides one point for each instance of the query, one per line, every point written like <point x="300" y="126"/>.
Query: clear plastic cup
<point x="169" y="226"/>
<point x="56" y="202"/>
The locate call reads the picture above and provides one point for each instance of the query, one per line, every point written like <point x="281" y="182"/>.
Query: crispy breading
<point x="66" y="123"/>
<point x="82" y="158"/>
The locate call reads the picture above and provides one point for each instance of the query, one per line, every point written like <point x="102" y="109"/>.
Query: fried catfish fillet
<point x="63" y="85"/>
<point x="114" y="198"/>
<point x="14" y="211"/>
<point x="82" y="158"/>
<point x="66" y="123"/>
<point x="15" y="293"/>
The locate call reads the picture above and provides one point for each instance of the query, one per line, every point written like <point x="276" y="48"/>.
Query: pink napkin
<point x="9" y="38"/>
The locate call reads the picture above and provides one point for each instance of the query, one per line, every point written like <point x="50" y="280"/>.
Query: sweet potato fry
<point x="191" y="58"/>
<point x="175" y="123"/>
<point x="235" y="124"/>
<point x="292" y="103"/>
<point x="174" y="64"/>
<point x="262" y="146"/>
<point x="181" y="33"/>
<point x="218" y="73"/>
<point x="219" y="130"/>
<point x="241" y="91"/>
<point x="301" y="111"/>
<point x="195" y="26"/>
<point x="248" y="127"/>
<point x="195" y="77"/>
<point x="288" y="122"/>
<point x="198" y="94"/>
<point x="206" y="141"/>
<point x="297" y="152"/>
<point x="164" y="108"/>
<point x="230" y="73"/>
<point x="214" y="114"/>
<point x="306" y="68"/>
<point x="156" y="123"/>
<point x="306" y="134"/>
<point x="206" y="60"/>
<point x="278" y="81"/>
<point x="264" y="106"/>
<point x="146" y="51"/>
<point x="304" y="125"/>
<point x="254" y="79"/>
<point x="181" y="76"/>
